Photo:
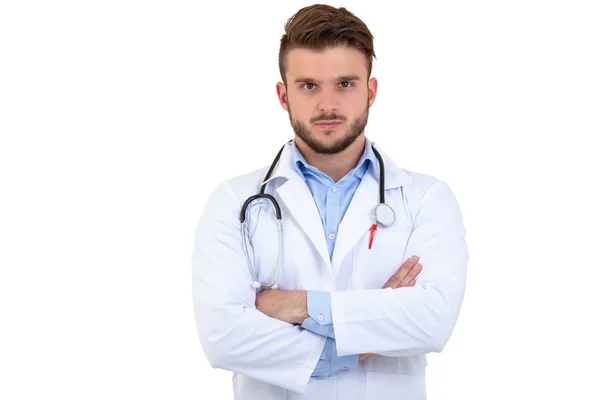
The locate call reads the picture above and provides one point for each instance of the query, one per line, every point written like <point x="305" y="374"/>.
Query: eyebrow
<point x="341" y="78"/>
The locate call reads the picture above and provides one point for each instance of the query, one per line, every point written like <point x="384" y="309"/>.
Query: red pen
<point x="373" y="229"/>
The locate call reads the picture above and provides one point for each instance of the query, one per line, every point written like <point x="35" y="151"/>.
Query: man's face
<point x="327" y="97"/>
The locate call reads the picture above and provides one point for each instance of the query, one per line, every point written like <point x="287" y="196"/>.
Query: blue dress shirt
<point x="332" y="200"/>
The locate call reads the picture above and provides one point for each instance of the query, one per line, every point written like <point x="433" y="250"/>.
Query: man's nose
<point x="328" y="100"/>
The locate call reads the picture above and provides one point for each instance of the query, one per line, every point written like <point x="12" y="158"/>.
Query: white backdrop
<point x="118" y="118"/>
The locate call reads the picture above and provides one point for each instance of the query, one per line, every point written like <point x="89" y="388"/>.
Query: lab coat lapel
<point x="360" y="215"/>
<point x="358" y="218"/>
<point x="296" y="196"/>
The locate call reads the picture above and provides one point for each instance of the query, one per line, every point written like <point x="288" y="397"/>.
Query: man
<point x="357" y="305"/>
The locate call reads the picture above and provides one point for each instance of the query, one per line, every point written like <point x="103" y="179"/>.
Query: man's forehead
<point x="340" y="63"/>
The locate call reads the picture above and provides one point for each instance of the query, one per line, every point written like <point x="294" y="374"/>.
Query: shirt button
<point x="334" y="189"/>
<point x="320" y="318"/>
<point x="331" y="236"/>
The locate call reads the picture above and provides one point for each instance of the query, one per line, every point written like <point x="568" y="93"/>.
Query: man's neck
<point x="336" y="166"/>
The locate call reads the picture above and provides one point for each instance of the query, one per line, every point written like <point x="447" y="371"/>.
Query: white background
<point x="118" y="118"/>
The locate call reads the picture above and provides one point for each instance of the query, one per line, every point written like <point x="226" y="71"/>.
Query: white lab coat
<point x="271" y="359"/>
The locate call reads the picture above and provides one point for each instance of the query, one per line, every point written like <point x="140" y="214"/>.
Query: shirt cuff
<point x="318" y="305"/>
<point x="331" y="364"/>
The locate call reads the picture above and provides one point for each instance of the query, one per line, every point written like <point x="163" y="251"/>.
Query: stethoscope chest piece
<point x="384" y="214"/>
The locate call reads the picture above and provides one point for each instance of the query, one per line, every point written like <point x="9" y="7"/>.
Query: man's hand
<point x="284" y="305"/>
<point x="404" y="277"/>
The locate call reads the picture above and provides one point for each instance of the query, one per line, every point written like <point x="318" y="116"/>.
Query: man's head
<point x="325" y="61"/>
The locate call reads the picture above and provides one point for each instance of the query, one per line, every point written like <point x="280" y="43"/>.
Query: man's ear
<point x="282" y="95"/>
<point x="372" y="89"/>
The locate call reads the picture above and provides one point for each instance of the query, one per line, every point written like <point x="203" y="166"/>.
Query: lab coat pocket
<point x="381" y="386"/>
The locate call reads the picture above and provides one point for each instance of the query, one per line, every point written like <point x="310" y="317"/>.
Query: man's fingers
<point x="411" y="275"/>
<point x="395" y="280"/>
<point x="391" y="283"/>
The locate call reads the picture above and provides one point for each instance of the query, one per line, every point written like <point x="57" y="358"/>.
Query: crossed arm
<point x="237" y="333"/>
<point x="292" y="306"/>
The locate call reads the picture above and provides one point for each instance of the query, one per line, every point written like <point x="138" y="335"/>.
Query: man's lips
<point x="329" y="124"/>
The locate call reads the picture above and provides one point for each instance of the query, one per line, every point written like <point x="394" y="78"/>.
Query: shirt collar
<point x="367" y="159"/>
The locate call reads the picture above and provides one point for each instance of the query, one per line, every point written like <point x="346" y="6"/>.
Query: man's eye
<point x="309" y="85"/>
<point x="349" y="84"/>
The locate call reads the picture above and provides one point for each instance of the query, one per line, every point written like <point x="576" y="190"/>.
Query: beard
<point x="354" y="130"/>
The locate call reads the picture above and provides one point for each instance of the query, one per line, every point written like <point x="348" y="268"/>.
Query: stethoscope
<point x="384" y="216"/>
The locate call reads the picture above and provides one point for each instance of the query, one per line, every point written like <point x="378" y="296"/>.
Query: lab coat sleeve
<point x="412" y="320"/>
<point x="234" y="335"/>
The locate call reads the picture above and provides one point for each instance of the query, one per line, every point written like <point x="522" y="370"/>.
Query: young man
<point x="357" y="305"/>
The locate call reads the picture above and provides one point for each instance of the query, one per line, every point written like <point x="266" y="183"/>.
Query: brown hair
<point x="321" y="26"/>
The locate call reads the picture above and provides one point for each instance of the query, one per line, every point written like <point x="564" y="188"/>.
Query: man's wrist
<point x="300" y="307"/>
